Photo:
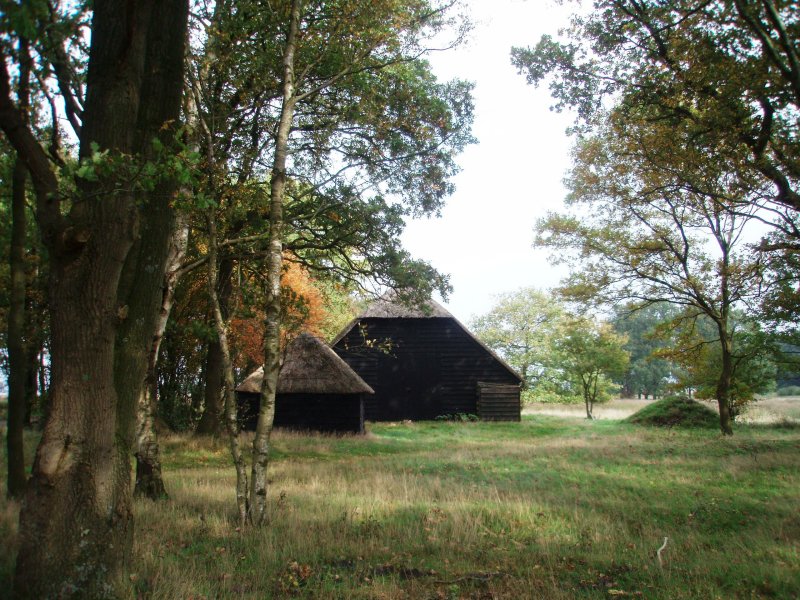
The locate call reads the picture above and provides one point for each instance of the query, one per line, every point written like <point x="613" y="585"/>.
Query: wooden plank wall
<point x="332" y="413"/>
<point x="432" y="368"/>
<point x="498" y="402"/>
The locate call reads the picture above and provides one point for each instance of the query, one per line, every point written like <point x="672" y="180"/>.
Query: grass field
<point x="773" y="409"/>
<point x="553" y="507"/>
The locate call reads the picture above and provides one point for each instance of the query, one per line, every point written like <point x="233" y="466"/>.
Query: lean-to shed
<point x="422" y="364"/>
<point x="317" y="391"/>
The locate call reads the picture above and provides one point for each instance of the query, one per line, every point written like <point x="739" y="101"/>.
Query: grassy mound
<point x="676" y="411"/>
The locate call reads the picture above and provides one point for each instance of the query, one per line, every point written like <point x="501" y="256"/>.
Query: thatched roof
<point x="389" y="306"/>
<point x="310" y="367"/>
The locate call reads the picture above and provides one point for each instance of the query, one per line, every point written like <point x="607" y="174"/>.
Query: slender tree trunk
<point x="258" y="491"/>
<point x="724" y="384"/>
<point x="228" y="389"/>
<point x="725" y="381"/>
<point x="211" y="422"/>
<point x="32" y="380"/>
<point x="149" y="482"/>
<point x="44" y="388"/>
<point x="17" y="351"/>
<point x="76" y="521"/>
<point x="587" y="399"/>
<point x="17" y="355"/>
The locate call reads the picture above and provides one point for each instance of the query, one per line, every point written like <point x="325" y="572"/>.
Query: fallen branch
<point x="659" y="551"/>
<point x="471" y="577"/>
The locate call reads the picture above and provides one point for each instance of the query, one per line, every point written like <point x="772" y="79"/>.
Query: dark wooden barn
<point x="317" y="391"/>
<point x="422" y="364"/>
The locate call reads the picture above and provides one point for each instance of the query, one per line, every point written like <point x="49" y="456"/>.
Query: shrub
<point x="789" y="390"/>
<point x="549" y="396"/>
<point x="460" y="417"/>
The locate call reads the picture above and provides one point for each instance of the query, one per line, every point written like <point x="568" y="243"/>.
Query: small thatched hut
<point x="317" y="391"/>
<point x="423" y="364"/>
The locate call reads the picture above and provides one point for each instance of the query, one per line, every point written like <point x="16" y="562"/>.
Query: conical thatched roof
<point x="310" y="367"/>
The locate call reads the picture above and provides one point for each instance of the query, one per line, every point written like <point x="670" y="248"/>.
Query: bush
<point x="546" y="396"/>
<point x="676" y="411"/>
<point x="458" y="417"/>
<point x="789" y="390"/>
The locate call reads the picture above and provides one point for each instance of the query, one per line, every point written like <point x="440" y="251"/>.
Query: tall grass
<point x="546" y="508"/>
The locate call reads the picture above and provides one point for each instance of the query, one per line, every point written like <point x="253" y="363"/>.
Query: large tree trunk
<point x="258" y="490"/>
<point x="17" y="351"/>
<point x="76" y="523"/>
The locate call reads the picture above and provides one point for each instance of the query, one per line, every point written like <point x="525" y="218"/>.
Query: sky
<point x="512" y="177"/>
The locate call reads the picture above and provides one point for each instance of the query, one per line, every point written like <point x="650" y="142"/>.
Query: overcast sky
<point x="512" y="176"/>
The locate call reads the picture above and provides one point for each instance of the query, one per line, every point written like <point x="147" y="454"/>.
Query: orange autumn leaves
<point x="303" y="310"/>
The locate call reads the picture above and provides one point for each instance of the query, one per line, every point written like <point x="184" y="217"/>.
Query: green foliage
<point x="680" y="99"/>
<point x="561" y="358"/>
<point x="697" y="351"/>
<point x="720" y="71"/>
<point x="687" y="112"/>
<point x="374" y="137"/>
<point x="119" y="172"/>
<point x="589" y="355"/>
<point x="23" y="18"/>
<point x="521" y="328"/>
<point x="788" y="390"/>
<point x="644" y="328"/>
<point x="459" y="417"/>
<point x="552" y="393"/>
<point x="676" y="411"/>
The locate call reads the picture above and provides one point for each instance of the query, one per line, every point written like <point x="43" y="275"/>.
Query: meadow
<point x="552" y="507"/>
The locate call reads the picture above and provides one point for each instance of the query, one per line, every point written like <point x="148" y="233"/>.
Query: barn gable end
<point x="423" y="364"/>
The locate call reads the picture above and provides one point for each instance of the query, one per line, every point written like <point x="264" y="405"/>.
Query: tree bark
<point x="76" y="523"/>
<point x="724" y="384"/>
<point x="257" y="511"/>
<point x="587" y="398"/>
<point x="725" y="381"/>
<point x="17" y="355"/>
<point x="149" y="481"/>
<point x="231" y="418"/>
<point x="17" y="348"/>
<point x="32" y="379"/>
<point x="211" y="423"/>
